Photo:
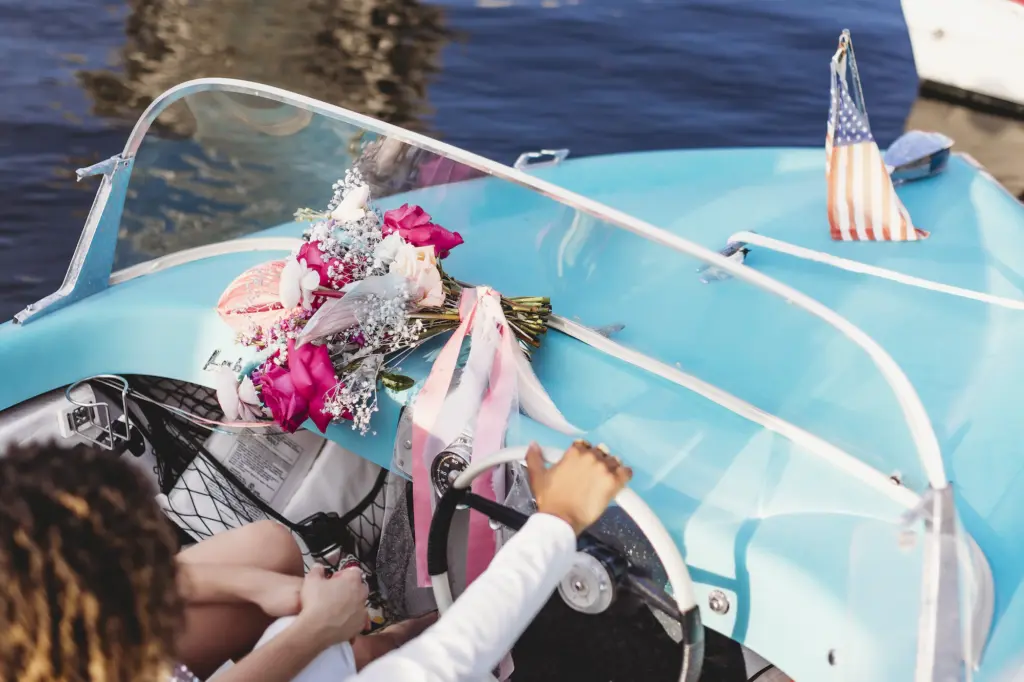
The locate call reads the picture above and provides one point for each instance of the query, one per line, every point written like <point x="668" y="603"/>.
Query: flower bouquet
<point x="336" y="318"/>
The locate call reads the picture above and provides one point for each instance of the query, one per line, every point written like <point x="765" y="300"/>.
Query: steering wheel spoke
<point x="512" y="519"/>
<point x="649" y="593"/>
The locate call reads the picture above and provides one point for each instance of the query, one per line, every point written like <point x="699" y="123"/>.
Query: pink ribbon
<point x="488" y="434"/>
<point x="424" y="446"/>
<point x="492" y="423"/>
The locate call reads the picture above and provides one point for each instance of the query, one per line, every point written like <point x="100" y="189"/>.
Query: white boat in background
<point x="970" y="49"/>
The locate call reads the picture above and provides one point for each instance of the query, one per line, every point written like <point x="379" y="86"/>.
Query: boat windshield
<point x="219" y="165"/>
<point x="227" y="163"/>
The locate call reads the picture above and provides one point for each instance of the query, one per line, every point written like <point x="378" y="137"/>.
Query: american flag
<point x="862" y="204"/>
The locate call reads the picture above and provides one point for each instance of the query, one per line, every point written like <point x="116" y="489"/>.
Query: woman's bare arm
<point x="275" y="593"/>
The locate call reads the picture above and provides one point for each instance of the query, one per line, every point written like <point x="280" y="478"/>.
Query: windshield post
<point x="940" y="649"/>
<point x="93" y="260"/>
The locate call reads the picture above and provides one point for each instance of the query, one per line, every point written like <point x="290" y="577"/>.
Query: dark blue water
<point x="497" y="77"/>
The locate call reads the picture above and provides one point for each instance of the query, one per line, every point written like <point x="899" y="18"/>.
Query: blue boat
<point x="822" y="432"/>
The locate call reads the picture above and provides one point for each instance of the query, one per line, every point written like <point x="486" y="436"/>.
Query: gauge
<point x="446" y="468"/>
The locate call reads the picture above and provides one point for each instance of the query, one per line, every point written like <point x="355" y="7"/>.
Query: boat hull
<point x="970" y="49"/>
<point x="760" y="518"/>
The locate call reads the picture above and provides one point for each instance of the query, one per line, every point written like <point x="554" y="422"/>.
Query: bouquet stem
<point x="527" y="315"/>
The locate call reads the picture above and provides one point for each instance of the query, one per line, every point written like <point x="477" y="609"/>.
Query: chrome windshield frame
<point x="91" y="271"/>
<point x="93" y="259"/>
<point x="89" y="268"/>
<point x="92" y="263"/>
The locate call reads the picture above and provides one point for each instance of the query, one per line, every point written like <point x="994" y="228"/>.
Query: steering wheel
<point x="600" y="571"/>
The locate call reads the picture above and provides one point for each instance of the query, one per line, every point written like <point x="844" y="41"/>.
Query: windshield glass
<point x="219" y="165"/>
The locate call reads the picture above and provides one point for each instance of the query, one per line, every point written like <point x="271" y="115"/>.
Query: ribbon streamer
<point x="484" y="405"/>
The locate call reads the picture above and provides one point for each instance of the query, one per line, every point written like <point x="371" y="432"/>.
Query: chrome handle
<point x="540" y="159"/>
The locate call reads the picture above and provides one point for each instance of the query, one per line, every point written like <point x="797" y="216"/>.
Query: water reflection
<point x="207" y="159"/>
<point x="373" y="56"/>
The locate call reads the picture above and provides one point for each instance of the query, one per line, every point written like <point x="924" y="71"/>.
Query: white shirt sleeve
<point x="487" y="619"/>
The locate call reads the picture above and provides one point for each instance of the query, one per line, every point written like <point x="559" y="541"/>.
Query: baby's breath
<point x="355" y="397"/>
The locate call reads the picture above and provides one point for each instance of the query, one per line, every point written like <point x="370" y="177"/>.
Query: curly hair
<point x="88" y="578"/>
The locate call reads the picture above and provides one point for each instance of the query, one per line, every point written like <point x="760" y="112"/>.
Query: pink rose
<point x="298" y="392"/>
<point x="313" y="375"/>
<point x="414" y="226"/>
<point x="282" y="399"/>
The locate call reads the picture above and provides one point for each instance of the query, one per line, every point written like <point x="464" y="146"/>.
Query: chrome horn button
<point x="588" y="587"/>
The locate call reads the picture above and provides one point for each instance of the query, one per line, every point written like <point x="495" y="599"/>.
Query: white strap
<point x="872" y="270"/>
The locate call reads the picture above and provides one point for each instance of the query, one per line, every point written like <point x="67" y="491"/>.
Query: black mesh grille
<point x="217" y="499"/>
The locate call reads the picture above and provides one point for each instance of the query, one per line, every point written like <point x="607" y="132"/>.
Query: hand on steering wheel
<point x="580" y="486"/>
<point x="578" y="492"/>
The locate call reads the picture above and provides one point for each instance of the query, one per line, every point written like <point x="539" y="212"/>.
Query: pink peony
<point x="414" y="226"/>
<point x="298" y="392"/>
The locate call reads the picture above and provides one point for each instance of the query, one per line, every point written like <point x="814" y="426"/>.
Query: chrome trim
<point x="718" y="602"/>
<point x="100" y="407"/>
<point x="984" y="607"/>
<point x="940" y="644"/>
<point x="102" y="168"/>
<point x="945" y="646"/>
<point x="91" y="263"/>
<point x="535" y="159"/>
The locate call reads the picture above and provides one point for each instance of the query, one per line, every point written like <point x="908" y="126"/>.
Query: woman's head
<point x="87" y="571"/>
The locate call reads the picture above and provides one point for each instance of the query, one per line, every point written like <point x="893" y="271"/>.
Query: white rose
<point x="297" y="284"/>
<point x="419" y="266"/>
<point x="353" y="206"/>
<point x="388" y="248"/>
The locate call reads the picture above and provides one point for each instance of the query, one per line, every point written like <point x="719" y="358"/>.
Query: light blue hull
<point x="773" y="526"/>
